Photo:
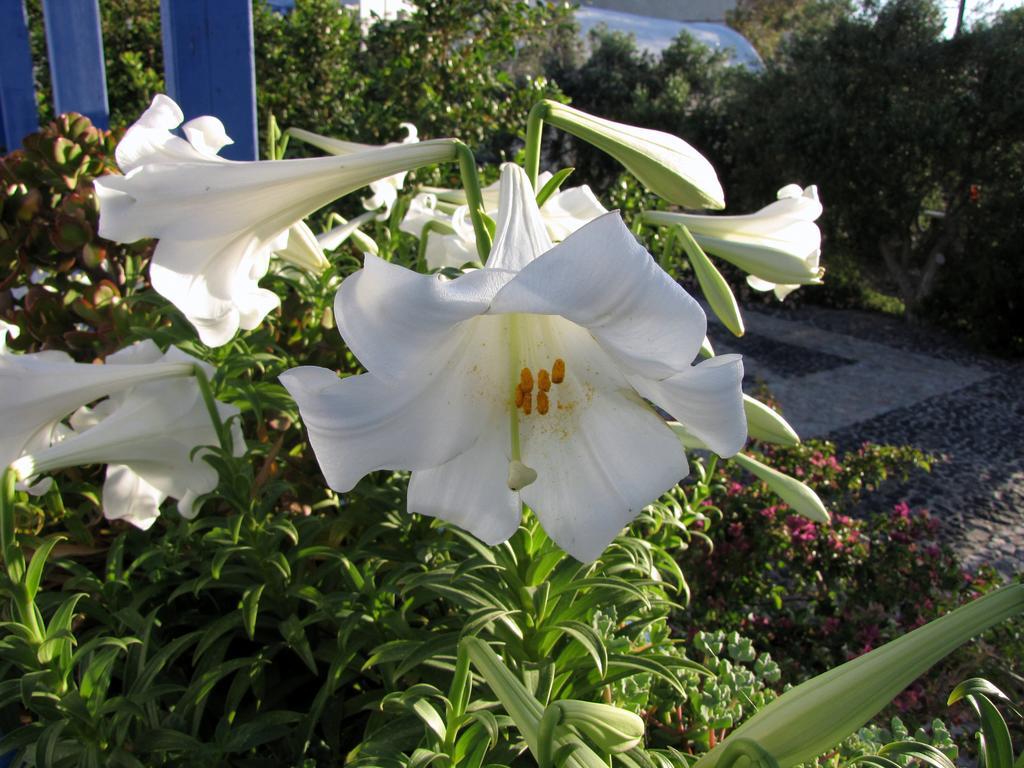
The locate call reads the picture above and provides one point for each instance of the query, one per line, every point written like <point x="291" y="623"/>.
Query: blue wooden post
<point x="18" y="114"/>
<point x="209" y="65"/>
<point x="74" y="41"/>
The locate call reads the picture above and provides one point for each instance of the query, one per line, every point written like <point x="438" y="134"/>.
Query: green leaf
<point x="553" y="185"/>
<point x="250" y="607"/>
<point x="591" y="641"/>
<point x="34" y="574"/>
<point x="295" y="634"/>
<point x="48" y="742"/>
<point x="996" y="747"/>
<point x="876" y="761"/>
<point x="421" y="758"/>
<point x="926" y="753"/>
<point x="430" y="717"/>
<point x="168" y="740"/>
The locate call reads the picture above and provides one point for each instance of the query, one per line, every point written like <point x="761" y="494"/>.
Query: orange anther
<point x="543" y="380"/>
<point x="526" y="380"/>
<point x="527" y="403"/>
<point x="519" y="396"/>
<point x="542" y="403"/>
<point x="558" y="371"/>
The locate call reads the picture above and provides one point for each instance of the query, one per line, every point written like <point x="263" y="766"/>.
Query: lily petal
<point x="471" y="490"/>
<point x="520" y="234"/>
<point x="127" y="496"/>
<point x="394" y="319"/>
<point x="569" y="209"/>
<point x="601" y="453"/>
<point x="600" y="277"/>
<point x="363" y="423"/>
<point x="706" y="399"/>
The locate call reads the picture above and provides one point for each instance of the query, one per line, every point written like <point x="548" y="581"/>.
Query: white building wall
<point x="677" y="10"/>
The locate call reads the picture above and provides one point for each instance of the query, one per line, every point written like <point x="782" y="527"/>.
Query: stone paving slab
<point x="855" y="377"/>
<point x="868" y="379"/>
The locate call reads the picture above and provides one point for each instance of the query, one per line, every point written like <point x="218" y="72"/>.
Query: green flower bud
<point x="800" y="497"/>
<point x="767" y="425"/>
<point x="665" y="164"/>
<point x="609" y="728"/>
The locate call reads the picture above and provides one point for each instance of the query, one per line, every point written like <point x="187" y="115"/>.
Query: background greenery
<point x="916" y="142"/>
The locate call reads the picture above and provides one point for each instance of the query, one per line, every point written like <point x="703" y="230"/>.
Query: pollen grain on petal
<point x="543" y="380"/>
<point x="526" y="380"/>
<point x="519" y="396"/>
<point x="558" y="371"/>
<point x="542" y="403"/>
<point x="527" y="403"/>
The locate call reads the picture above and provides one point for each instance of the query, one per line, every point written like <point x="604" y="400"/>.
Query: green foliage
<point x="902" y="131"/>
<point x="453" y="68"/>
<point x="768" y="24"/>
<point x="76" y="285"/>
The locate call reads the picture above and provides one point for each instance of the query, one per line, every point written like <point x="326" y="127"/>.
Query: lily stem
<point x="223" y="434"/>
<point x="14" y="560"/>
<point x="534" y="135"/>
<point x="474" y="199"/>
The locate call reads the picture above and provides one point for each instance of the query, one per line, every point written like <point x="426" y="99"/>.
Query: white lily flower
<point x="385" y="191"/>
<point x="218" y="220"/>
<point x="39" y="389"/>
<point x="563" y="213"/>
<point x="532" y="373"/>
<point x="147" y="436"/>
<point x="779" y="245"/>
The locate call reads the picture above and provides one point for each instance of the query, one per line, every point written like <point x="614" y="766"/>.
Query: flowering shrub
<point x="814" y="595"/>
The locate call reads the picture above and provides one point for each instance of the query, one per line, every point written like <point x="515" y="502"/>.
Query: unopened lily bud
<point x="302" y="250"/>
<point x="807" y="720"/>
<point x="665" y="164"/>
<point x="800" y="497"/>
<point x="609" y="728"/>
<point x="767" y="425"/>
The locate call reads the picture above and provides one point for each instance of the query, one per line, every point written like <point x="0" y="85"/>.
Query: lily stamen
<point x="558" y="371"/>
<point x="542" y="403"/>
<point x="526" y="380"/>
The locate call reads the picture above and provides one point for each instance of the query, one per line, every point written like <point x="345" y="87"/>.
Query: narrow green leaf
<point x="426" y="712"/>
<point x="874" y="760"/>
<point x="996" y="744"/>
<point x="926" y="753"/>
<point x="553" y="185"/>
<point x="49" y="740"/>
<point x="295" y="634"/>
<point x="586" y="636"/>
<point x="34" y="574"/>
<point x="250" y="608"/>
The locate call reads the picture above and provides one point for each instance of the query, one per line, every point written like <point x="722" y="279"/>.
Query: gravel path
<point x="852" y="376"/>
